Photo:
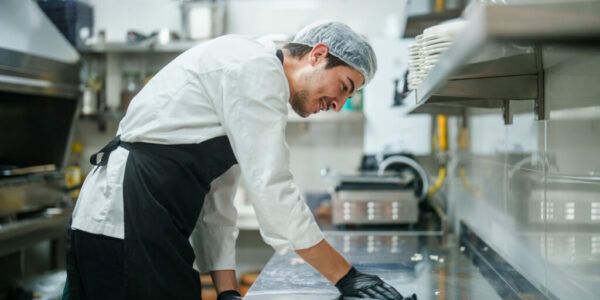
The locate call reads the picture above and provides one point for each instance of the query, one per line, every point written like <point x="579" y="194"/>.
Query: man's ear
<point x="318" y="53"/>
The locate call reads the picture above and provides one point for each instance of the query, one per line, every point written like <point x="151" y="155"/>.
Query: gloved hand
<point x="229" y="295"/>
<point x="361" y="285"/>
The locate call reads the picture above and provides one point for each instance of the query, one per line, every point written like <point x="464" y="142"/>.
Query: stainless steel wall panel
<point x="535" y="185"/>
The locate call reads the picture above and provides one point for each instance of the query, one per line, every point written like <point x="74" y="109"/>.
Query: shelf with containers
<point x="114" y="72"/>
<point x="497" y="58"/>
<point x="148" y="46"/>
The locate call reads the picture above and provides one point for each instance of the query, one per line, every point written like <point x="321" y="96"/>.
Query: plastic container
<point x="74" y="19"/>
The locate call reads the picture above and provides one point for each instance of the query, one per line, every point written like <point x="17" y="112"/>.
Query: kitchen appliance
<point x="368" y="205"/>
<point x="379" y="197"/>
<point x="39" y="92"/>
<point x="39" y="101"/>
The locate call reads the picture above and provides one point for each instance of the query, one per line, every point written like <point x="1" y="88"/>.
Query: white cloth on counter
<point x="232" y="86"/>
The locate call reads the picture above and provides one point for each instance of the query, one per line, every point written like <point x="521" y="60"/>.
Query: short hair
<point x="299" y="50"/>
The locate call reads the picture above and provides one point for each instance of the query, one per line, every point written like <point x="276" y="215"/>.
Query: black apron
<point x="163" y="192"/>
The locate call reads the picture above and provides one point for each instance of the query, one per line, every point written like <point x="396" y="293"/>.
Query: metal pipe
<point x="410" y="162"/>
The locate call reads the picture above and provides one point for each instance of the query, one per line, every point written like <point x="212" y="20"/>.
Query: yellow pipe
<point x="463" y="138"/>
<point x="442" y="279"/>
<point x="442" y="132"/>
<point x="438" y="182"/>
<point x="463" y="143"/>
<point x="439" y="6"/>
<point x="467" y="184"/>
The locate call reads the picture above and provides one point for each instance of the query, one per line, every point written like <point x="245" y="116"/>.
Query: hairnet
<point x="343" y="43"/>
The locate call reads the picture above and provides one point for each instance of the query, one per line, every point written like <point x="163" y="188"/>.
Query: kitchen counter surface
<point x="425" y="263"/>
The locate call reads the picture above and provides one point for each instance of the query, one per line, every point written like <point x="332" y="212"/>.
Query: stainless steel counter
<point x="28" y="232"/>
<point x="413" y="262"/>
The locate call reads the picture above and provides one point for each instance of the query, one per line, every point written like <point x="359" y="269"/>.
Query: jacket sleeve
<point x="253" y="112"/>
<point x="214" y="236"/>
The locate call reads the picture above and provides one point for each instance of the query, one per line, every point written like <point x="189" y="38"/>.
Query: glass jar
<point x="129" y="88"/>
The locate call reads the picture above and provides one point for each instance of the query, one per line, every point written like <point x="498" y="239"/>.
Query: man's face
<point x="318" y="89"/>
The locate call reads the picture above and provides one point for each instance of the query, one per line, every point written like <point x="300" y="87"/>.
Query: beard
<point x="298" y="102"/>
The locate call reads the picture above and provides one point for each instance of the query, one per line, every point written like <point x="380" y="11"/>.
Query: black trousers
<point x="99" y="260"/>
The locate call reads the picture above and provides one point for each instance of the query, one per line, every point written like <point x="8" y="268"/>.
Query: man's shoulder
<point x="233" y="50"/>
<point x="243" y="52"/>
<point x="244" y="43"/>
<point x="235" y="56"/>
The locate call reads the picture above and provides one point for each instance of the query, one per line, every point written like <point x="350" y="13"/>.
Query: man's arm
<point x="330" y="263"/>
<point x="349" y="281"/>
<point x="224" y="280"/>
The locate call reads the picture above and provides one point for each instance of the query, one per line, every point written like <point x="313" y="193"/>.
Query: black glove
<point x="229" y="295"/>
<point x="361" y="285"/>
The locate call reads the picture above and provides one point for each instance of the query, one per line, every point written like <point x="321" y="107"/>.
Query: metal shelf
<point x="416" y="24"/>
<point x="104" y="116"/>
<point x="25" y="233"/>
<point x="498" y="58"/>
<point x="140" y="47"/>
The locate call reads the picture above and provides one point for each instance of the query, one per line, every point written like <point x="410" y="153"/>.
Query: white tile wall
<point x="391" y="129"/>
<point x="371" y="18"/>
<point x="314" y="146"/>
<point x="254" y="17"/>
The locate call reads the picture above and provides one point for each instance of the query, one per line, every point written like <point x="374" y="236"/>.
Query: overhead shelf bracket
<point x="540" y="104"/>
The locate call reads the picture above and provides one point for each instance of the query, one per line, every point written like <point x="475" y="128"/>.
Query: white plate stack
<point x="423" y="55"/>
<point x="415" y="75"/>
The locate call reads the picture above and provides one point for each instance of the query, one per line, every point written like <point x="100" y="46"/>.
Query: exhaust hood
<point x="39" y="91"/>
<point x="25" y="28"/>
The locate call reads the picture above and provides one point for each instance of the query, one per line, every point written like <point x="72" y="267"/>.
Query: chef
<point x="158" y="206"/>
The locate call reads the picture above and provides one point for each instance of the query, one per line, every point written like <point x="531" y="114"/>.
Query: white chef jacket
<point x="232" y="86"/>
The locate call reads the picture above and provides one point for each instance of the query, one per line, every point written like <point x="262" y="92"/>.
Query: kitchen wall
<point x="255" y="17"/>
<point x="390" y="129"/>
<point x="92" y="138"/>
<point x="371" y="18"/>
<point x="535" y="195"/>
<point x="315" y="146"/>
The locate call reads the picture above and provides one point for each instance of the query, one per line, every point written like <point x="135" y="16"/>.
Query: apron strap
<point x="105" y="151"/>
